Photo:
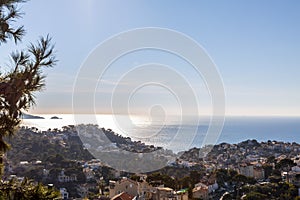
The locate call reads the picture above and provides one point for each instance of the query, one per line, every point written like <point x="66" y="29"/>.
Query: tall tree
<point x="18" y="85"/>
<point x="17" y="88"/>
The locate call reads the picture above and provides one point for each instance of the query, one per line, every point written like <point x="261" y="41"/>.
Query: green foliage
<point x="185" y="182"/>
<point x="224" y="175"/>
<point x="255" y="196"/>
<point x="285" y="164"/>
<point x="174" y="171"/>
<point x="270" y="191"/>
<point x="239" y="178"/>
<point x="195" y="177"/>
<point x="18" y="85"/>
<point x="158" y="179"/>
<point x="31" y="145"/>
<point x="26" y="190"/>
<point x="8" y="14"/>
<point x="275" y="179"/>
<point x="271" y="159"/>
<point x="17" y="88"/>
<point x="136" y="178"/>
<point x="268" y="170"/>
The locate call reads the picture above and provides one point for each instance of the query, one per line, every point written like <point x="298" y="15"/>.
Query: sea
<point x="177" y="134"/>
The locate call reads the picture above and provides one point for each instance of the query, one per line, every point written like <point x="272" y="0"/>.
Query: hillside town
<point x="247" y="170"/>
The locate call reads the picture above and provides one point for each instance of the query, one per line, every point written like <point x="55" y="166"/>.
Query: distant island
<point x="55" y="117"/>
<point x="28" y="116"/>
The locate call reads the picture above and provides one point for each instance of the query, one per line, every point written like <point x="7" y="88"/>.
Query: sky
<point x="254" y="44"/>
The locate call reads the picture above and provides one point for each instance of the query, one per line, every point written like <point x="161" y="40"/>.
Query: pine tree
<point x="18" y="85"/>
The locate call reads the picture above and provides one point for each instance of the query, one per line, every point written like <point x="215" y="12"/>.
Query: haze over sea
<point x="182" y="136"/>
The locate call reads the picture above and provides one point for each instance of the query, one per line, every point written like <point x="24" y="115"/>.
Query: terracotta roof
<point x="122" y="196"/>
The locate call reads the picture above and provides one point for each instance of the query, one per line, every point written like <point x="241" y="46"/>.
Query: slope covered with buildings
<point x="250" y="168"/>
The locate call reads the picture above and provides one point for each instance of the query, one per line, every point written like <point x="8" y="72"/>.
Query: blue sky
<point x="255" y="44"/>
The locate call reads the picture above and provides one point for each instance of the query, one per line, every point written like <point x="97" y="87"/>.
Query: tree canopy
<point x="17" y="87"/>
<point x="9" y="13"/>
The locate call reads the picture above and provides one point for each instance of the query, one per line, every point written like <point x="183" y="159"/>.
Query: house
<point x="145" y="190"/>
<point x="246" y="170"/>
<point x="124" y="185"/>
<point x="253" y="169"/>
<point x="296" y="168"/>
<point x="64" y="193"/>
<point x="292" y="177"/>
<point x="9" y="168"/>
<point x="84" y="189"/>
<point x="89" y="173"/>
<point x="200" y="192"/>
<point x="122" y="196"/>
<point x="64" y="178"/>
<point x="212" y="187"/>
<point x="210" y="182"/>
<point x="164" y="193"/>
<point x="258" y="173"/>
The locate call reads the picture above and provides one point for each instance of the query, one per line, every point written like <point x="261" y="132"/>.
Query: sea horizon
<point x="179" y="136"/>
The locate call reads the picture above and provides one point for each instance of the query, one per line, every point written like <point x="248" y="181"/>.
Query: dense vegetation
<point x="270" y="191"/>
<point x="17" y="88"/>
<point x="26" y="189"/>
<point x="31" y="145"/>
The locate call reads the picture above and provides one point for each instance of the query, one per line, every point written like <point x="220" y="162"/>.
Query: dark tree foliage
<point x="279" y="190"/>
<point x="26" y="190"/>
<point x="17" y="87"/>
<point x="156" y="179"/>
<point x="8" y="15"/>
<point x="285" y="164"/>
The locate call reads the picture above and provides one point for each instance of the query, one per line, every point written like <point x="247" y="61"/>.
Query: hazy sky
<point x="255" y="45"/>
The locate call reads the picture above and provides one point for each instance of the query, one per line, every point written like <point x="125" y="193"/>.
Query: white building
<point x="64" y="178"/>
<point x="212" y="187"/>
<point x="124" y="185"/>
<point x="64" y="193"/>
<point x="89" y="173"/>
<point x="296" y="169"/>
<point x="246" y="170"/>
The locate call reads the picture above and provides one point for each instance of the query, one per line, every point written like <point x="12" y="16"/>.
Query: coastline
<point x="235" y="130"/>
